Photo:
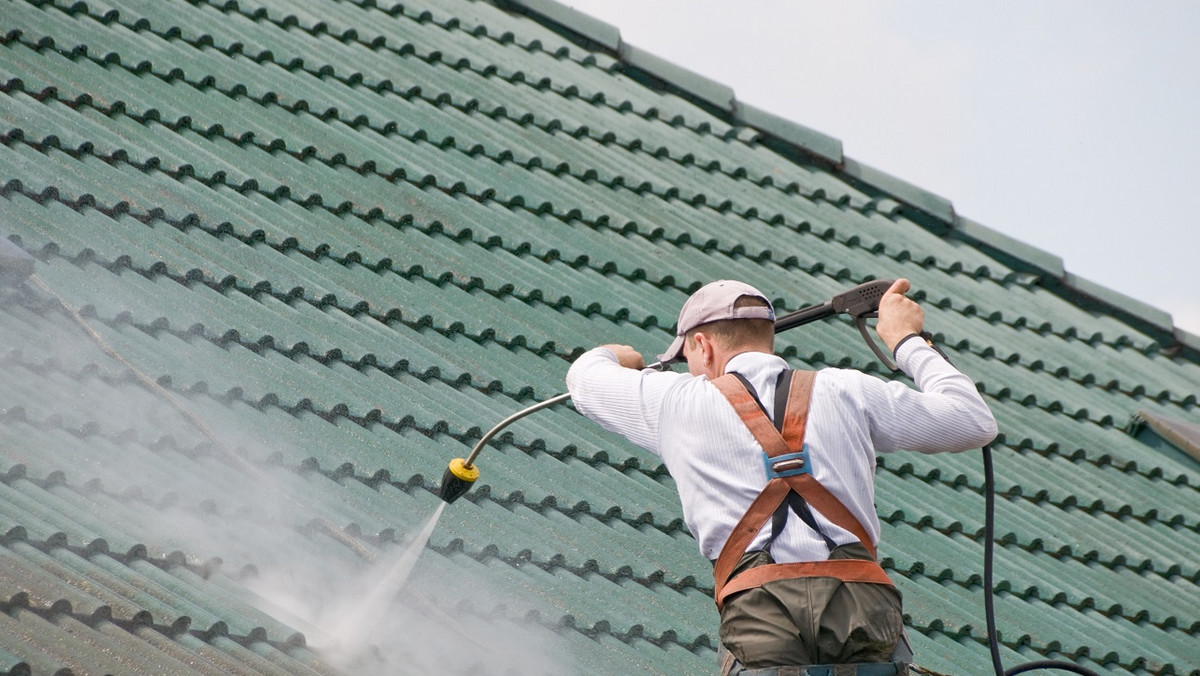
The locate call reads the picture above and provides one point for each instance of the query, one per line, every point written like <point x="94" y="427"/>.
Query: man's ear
<point x="704" y="345"/>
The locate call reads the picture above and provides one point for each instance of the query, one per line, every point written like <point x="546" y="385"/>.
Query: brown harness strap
<point x="776" y="491"/>
<point x="747" y="529"/>
<point x="752" y="414"/>
<point x="819" y="498"/>
<point x="846" y="570"/>
<point x="795" y="415"/>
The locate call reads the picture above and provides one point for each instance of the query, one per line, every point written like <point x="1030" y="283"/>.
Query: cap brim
<point x="674" y="352"/>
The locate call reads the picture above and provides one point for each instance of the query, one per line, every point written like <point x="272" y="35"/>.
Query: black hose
<point x="989" y="554"/>
<point x="1050" y="664"/>
<point x="989" y="601"/>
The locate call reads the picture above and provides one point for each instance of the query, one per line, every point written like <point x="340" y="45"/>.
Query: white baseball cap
<point x="711" y="303"/>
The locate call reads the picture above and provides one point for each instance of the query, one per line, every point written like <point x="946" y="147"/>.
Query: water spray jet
<point x="15" y="264"/>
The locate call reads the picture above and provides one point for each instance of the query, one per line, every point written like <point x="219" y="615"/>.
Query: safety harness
<point x="790" y="485"/>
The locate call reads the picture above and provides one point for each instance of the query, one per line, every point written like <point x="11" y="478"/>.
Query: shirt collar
<point x="753" y="362"/>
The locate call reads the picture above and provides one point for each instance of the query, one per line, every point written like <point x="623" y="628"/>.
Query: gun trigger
<point x="861" y="323"/>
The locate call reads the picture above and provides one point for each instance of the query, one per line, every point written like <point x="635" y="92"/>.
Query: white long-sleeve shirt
<point x="717" y="464"/>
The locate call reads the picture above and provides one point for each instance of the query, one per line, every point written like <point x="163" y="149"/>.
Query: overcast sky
<point x="1071" y="125"/>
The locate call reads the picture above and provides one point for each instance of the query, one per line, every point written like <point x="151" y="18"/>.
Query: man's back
<point x="717" y="465"/>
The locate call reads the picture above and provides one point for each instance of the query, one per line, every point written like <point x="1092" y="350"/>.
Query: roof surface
<point x="293" y="257"/>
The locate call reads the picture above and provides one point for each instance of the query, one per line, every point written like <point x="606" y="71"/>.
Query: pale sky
<point x="1071" y="125"/>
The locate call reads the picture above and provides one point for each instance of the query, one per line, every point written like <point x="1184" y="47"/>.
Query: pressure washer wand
<point x="860" y="302"/>
<point x="462" y="473"/>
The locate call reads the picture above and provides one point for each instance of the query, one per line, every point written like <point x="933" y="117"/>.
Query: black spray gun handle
<point x="861" y="322"/>
<point x="860" y="302"/>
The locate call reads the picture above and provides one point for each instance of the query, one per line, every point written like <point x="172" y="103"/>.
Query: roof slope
<point x="292" y="257"/>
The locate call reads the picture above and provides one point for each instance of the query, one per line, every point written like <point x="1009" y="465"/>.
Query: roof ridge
<point x="827" y="150"/>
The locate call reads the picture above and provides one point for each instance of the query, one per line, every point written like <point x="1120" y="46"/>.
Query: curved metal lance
<point x="462" y="473"/>
<point x="860" y="302"/>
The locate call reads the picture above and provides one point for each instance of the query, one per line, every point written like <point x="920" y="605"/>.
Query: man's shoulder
<point x="843" y="380"/>
<point x="683" y="391"/>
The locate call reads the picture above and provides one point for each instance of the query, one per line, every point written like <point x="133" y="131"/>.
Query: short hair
<point x="732" y="333"/>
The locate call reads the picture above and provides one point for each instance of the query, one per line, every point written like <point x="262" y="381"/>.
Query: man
<point x="723" y="453"/>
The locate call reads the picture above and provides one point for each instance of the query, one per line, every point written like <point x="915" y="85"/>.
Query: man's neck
<point x="734" y="354"/>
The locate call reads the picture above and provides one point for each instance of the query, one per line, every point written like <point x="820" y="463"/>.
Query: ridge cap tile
<point x="900" y="189"/>
<point x="716" y="94"/>
<point x="1188" y="339"/>
<point x="587" y="26"/>
<point x="1120" y="302"/>
<point x="815" y="142"/>
<point x="1039" y="258"/>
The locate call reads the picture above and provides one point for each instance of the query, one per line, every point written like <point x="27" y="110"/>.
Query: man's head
<point x="721" y="319"/>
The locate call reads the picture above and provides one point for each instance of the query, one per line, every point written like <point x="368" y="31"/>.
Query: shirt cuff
<point x="606" y="353"/>
<point x="896" y="351"/>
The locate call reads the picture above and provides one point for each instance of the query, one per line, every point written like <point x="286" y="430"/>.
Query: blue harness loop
<point x="788" y="464"/>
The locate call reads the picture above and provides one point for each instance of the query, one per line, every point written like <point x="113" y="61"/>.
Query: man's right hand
<point x="899" y="316"/>
<point x="627" y="356"/>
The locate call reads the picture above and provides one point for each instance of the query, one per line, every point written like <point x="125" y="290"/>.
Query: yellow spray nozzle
<point x="458" y="479"/>
<point x="459" y="468"/>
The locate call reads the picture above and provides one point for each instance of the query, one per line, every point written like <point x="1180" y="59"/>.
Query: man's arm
<point x="607" y="384"/>
<point x="947" y="414"/>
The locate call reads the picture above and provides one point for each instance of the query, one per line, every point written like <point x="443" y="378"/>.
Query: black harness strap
<point x="794" y="503"/>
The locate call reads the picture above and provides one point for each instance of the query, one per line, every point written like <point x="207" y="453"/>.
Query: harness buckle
<point x="788" y="464"/>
